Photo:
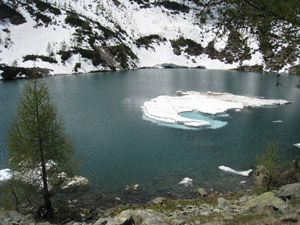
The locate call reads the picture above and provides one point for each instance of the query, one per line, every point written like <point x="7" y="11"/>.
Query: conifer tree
<point x="39" y="149"/>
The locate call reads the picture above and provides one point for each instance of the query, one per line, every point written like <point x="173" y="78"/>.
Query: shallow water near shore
<point x="102" y="112"/>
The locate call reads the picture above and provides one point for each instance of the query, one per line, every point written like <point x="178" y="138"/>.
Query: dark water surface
<point x="102" y="112"/>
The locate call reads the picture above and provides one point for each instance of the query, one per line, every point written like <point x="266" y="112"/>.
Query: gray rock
<point x="214" y="223"/>
<point x="267" y="199"/>
<point x="192" y="207"/>
<point x="224" y="204"/>
<point x="149" y="217"/>
<point x="15" y="216"/>
<point x="158" y="200"/>
<point x="178" y="222"/>
<point x="292" y="218"/>
<point x="124" y="218"/>
<point x="27" y="220"/>
<point x="290" y="190"/>
<point x="204" y="213"/>
<point x="206" y="207"/>
<point x="43" y="223"/>
<point x="202" y="192"/>
<point x="154" y="221"/>
<point x="179" y="207"/>
<point x="3" y="222"/>
<point x="100" y="221"/>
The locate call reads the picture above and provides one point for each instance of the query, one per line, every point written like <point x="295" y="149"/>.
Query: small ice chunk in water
<point x="242" y="173"/>
<point x="297" y="145"/>
<point x="277" y="121"/>
<point x="186" y="182"/>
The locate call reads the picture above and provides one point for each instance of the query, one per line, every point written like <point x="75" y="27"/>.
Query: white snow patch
<point x="5" y="174"/>
<point x="167" y="109"/>
<point x="229" y="170"/>
<point x="186" y="181"/>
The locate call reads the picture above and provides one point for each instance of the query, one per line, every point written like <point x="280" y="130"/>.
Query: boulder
<point x="224" y="204"/>
<point x="149" y="217"/>
<point x="266" y="200"/>
<point x="3" y="222"/>
<point x="124" y="218"/>
<point x="100" y="221"/>
<point x="15" y="216"/>
<point x="75" y="181"/>
<point x="157" y="201"/>
<point x="27" y="220"/>
<point x="202" y="192"/>
<point x="289" y="191"/>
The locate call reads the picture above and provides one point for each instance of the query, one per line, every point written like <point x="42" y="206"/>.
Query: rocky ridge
<point x="87" y="36"/>
<point x="277" y="207"/>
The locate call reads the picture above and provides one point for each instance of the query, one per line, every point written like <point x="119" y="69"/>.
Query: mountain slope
<point x="84" y="36"/>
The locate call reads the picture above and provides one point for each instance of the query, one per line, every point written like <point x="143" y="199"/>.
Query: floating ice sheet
<point x="200" y="109"/>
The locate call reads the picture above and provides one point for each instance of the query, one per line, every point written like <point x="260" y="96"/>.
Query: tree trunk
<point x="296" y="163"/>
<point x="48" y="205"/>
<point x="49" y="214"/>
<point x="16" y="198"/>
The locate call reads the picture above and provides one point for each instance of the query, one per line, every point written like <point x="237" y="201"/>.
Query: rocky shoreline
<point x="281" y="206"/>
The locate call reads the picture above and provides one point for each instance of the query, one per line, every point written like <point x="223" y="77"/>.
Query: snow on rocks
<point x="31" y="176"/>
<point x="5" y="174"/>
<point x="186" y="181"/>
<point x="167" y="109"/>
<point x="229" y="170"/>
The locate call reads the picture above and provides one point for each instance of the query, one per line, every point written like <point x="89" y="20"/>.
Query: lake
<point x="102" y="112"/>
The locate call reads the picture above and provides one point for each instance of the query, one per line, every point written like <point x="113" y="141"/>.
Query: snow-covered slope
<point x="93" y="35"/>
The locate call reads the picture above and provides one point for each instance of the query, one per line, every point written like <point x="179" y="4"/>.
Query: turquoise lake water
<point x="102" y="112"/>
